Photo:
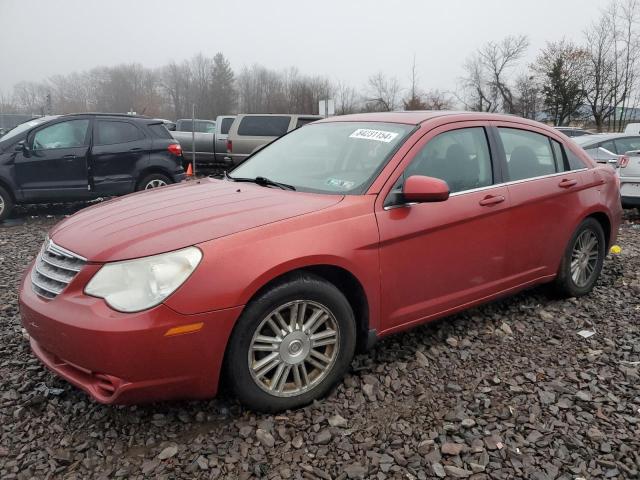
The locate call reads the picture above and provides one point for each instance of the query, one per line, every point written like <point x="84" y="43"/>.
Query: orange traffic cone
<point x="189" y="171"/>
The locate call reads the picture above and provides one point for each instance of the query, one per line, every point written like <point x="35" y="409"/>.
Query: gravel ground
<point x="507" y="390"/>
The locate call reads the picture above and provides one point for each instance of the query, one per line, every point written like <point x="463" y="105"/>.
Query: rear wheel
<point x="6" y="204"/>
<point x="291" y="345"/>
<point x="582" y="261"/>
<point x="154" y="180"/>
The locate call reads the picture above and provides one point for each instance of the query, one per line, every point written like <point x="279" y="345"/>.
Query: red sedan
<point x="340" y="233"/>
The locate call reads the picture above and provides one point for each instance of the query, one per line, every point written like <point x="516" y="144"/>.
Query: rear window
<point x="200" y="126"/>
<point x="159" y="130"/>
<point x="225" y="125"/>
<point x="111" y="132"/>
<point x="264" y="126"/>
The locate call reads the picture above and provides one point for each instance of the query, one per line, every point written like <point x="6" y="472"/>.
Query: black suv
<point x="84" y="156"/>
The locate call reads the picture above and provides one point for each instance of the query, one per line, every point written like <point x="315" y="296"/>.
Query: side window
<point x="610" y="146"/>
<point x="459" y="157"/>
<point x="69" y="134"/>
<point x="303" y="121"/>
<point x="624" y="145"/>
<point x="264" y="126"/>
<point x="112" y="132"/>
<point x="226" y="125"/>
<point x="558" y="154"/>
<point x="528" y="153"/>
<point x="575" y="162"/>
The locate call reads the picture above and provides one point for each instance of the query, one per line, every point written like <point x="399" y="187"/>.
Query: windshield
<point x="23" y="127"/>
<point x="338" y="158"/>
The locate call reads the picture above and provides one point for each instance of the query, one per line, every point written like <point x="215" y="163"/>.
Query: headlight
<point x="135" y="285"/>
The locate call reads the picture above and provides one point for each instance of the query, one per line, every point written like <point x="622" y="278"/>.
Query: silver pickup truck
<point x="210" y="139"/>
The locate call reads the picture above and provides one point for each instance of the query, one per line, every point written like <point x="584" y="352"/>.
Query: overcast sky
<point x="346" y="40"/>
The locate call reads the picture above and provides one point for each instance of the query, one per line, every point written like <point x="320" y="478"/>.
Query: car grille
<point x="54" y="269"/>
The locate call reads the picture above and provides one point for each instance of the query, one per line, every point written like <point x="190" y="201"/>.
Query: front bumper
<point x="125" y="358"/>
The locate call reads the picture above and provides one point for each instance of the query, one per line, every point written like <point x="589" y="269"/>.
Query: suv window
<point x="264" y="126"/>
<point x="200" y="126"/>
<point x="528" y="154"/>
<point x="624" y="145"/>
<point x="69" y="134"/>
<point x="159" y="130"/>
<point x="110" y="132"/>
<point x="304" y="121"/>
<point x="226" y="125"/>
<point x="459" y="157"/>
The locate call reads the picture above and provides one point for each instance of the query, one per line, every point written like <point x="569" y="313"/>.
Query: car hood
<point x="170" y="218"/>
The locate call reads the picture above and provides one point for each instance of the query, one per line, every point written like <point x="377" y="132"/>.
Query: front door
<point x="437" y="257"/>
<point x="54" y="164"/>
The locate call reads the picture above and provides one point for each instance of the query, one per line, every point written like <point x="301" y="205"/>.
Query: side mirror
<point x="22" y="147"/>
<point x="419" y="189"/>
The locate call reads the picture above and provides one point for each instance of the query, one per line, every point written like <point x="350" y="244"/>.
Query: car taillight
<point x="175" y="149"/>
<point x="229" y="146"/>
<point x="623" y="161"/>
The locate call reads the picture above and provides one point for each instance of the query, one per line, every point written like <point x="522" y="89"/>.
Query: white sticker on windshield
<point x="378" y="135"/>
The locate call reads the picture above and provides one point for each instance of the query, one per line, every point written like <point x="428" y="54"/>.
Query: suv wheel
<point x="582" y="261"/>
<point x="6" y="204"/>
<point x="155" y="180"/>
<point x="291" y="345"/>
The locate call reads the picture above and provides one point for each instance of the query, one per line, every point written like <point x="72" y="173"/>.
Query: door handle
<point x="491" y="200"/>
<point x="69" y="157"/>
<point x="135" y="149"/>
<point x="568" y="182"/>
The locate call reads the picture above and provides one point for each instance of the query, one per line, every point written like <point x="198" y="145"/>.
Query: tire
<point x="157" y="179"/>
<point x="300" y="381"/>
<point x="567" y="284"/>
<point x="6" y="204"/>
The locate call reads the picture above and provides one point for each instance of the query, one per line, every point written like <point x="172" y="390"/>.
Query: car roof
<point x="416" y="117"/>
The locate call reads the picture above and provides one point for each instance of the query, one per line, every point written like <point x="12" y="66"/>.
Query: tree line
<point x="594" y="81"/>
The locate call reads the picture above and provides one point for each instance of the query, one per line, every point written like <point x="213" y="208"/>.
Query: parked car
<point x="632" y="129"/>
<point x="85" y="156"/>
<point x="210" y="137"/>
<point x="602" y="147"/>
<point x="336" y="235"/>
<point x="250" y="132"/>
<point x="622" y="152"/>
<point x="573" y="131"/>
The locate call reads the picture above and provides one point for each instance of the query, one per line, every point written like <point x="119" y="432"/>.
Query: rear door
<point x="120" y="150"/>
<point x="55" y="165"/>
<point x="545" y="200"/>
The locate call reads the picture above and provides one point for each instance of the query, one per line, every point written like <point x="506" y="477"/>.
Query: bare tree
<point x="476" y="94"/>
<point x="498" y="58"/>
<point x="347" y="99"/>
<point x="383" y="93"/>
<point x="414" y="101"/>
<point x="437" y="100"/>
<point x="600" y="82"/>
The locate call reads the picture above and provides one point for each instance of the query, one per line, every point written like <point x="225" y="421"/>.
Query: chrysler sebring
<point x="340" y="233"/>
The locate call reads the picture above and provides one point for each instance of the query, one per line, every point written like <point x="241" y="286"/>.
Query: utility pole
<point x="193" y="139"/>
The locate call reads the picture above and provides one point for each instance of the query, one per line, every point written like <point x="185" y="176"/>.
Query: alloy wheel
<point x="584" y="258"/>
<point x="155" y="184"/>
<point x="1" y="205"/>
<point x="294" y="348"/>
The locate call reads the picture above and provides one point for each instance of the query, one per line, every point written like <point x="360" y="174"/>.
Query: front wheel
<point x="291" y="345"/>
<point x="6" y="204"/>
<point x="582" y="261"/>
<point x="155" y="180"/>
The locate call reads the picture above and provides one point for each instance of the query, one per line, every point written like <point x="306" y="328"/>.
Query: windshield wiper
<point x="262" y="181"/>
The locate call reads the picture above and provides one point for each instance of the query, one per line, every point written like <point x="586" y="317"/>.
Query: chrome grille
<point x="54" y="269"/>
